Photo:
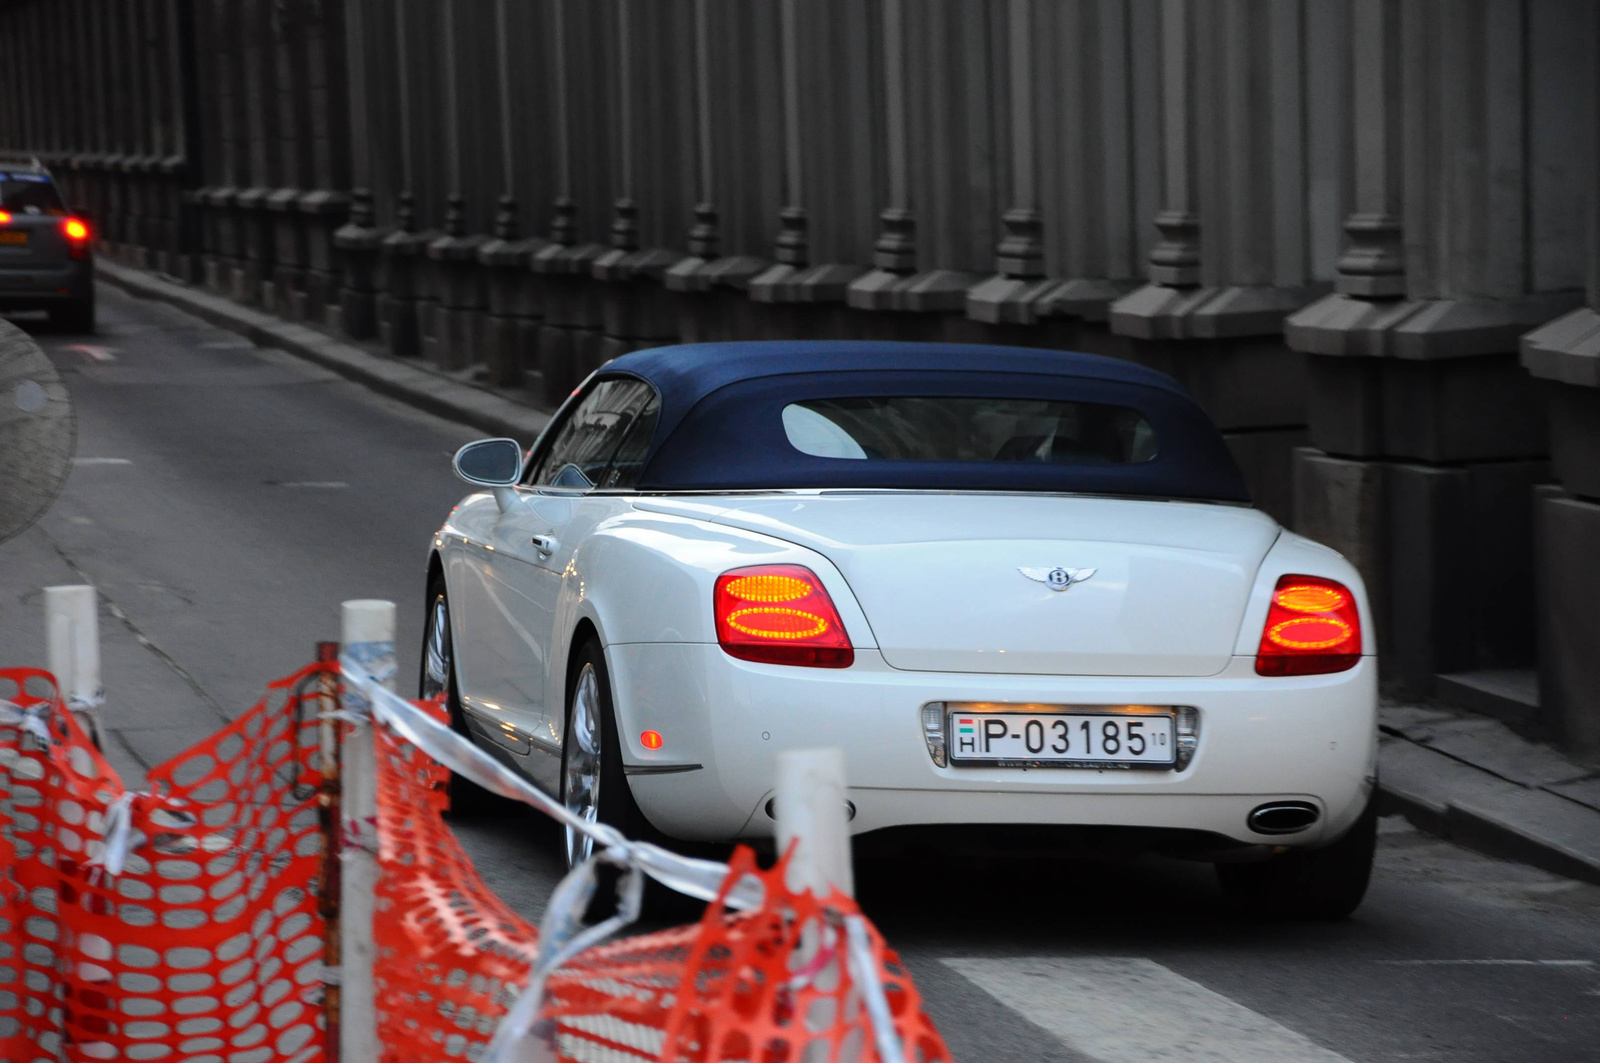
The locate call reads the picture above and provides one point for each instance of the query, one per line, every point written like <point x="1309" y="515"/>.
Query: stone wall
<point x="1358" y="230"/>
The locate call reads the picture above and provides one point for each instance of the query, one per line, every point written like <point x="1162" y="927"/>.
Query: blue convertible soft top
<point x="721" y="420"/>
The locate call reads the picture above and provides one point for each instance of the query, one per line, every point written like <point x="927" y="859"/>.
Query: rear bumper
<point x="1311" y="739"/>
<point x="46" y="286"/>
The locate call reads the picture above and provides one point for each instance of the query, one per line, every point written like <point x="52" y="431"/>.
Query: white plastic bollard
<point x="72" y="636"/>
<point x="811" y="801"/>
<point x="367" y="633"/>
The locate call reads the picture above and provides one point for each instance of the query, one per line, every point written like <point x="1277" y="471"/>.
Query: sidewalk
<point x="1473" y="780"/>
<point x="1452" y="773"/>
<point x="410" y="382"/>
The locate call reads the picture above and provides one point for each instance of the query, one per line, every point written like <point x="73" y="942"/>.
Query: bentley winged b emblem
<point x="1057" y="579"/>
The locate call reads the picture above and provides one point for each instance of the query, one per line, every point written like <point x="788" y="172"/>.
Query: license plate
<point x="1068" y="739"/>
<point x="13" y="236"/>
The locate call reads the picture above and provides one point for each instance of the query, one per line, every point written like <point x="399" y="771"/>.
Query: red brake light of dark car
<point x="780" y="614"/>
<point x="5" y="217"/>
<point x="76" y="230"/>
<point x="1312" y="628"/>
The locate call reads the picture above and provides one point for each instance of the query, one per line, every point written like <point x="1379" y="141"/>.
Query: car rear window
<point x="29" y="193"/>
<point x="969" y="429"/>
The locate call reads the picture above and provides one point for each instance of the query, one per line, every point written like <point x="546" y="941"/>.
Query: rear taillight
<point x="5" y="217"/>
<point x="1312" y="628"/>
<point x="76" y="230"/>
<point x="780" y="614"/>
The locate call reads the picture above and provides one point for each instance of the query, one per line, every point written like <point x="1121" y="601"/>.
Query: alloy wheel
<point x="581" y="791"/>
<point x="436" y="652"/>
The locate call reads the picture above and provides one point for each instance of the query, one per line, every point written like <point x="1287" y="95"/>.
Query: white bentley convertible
<point x="1024" y="591"/>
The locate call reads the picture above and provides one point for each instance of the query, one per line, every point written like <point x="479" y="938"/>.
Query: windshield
<point x="29" y="193"/>
<point x="958" y="428"/>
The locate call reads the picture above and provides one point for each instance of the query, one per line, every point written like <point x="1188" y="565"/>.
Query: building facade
<point x="1362" y="232"/>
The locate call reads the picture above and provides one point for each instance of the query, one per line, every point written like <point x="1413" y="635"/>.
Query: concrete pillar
<point x="824" y="62"/>
<point x="254" y="232"/>
<point x="359" y="242"/>
<point x="653" y="114"/>
<point x="455" y="339"/>
<point x="570" y="333"/>
<point x="1564" y="358"/>
<point x="736" y="119"/>
<point x="288" y="102"/>
<point x="1453" y="248"/>
<point x="895" y="283"/>
<point x="401" y="284"/>
<point x="1244" y="189"/>
<point x="511" y="328"/>
<point x="326" y="113"/>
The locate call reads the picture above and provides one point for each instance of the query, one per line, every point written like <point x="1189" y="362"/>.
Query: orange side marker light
<point x="650" y="739"/>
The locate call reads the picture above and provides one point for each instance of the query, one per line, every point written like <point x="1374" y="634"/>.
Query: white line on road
<point x="94" y="353"/>
<point x="1126" y="1010"/>
<point x="1487" y="963"/>
<point x="102" y="461"/>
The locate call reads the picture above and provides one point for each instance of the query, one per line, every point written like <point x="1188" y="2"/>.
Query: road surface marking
<point x="102" y="461"/>
<point x="1487" y="963"/>
<point x="1125" y="1010"/>
<point x="94" y="353"/>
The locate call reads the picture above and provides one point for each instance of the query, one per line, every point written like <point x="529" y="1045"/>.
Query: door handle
<point x="545" y="544"/>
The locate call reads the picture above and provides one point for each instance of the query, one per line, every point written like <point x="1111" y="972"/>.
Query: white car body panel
<point x="927" y="587"/>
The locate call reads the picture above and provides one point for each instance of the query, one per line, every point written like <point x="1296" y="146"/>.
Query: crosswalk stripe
<point x="1128" y="1010"/>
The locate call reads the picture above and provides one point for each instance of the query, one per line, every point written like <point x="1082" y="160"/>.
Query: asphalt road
<point x="226" y="499"/>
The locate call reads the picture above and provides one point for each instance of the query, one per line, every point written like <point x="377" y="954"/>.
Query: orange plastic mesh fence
<point x="766" y="986"/>
<point x="208" y="947"/>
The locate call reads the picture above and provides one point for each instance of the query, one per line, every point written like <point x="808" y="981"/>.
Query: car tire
<point x="591" y="749"/>
<point x="438" y="676"/>
<point x="76" y="316"/>
<point x="1326" y="883"/>
<point x="616" y="805"/>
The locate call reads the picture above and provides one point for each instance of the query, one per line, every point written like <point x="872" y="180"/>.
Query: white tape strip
<point x="117" y="831"/>
<point x="31" y="721"/>
<point x="864" y="972"/>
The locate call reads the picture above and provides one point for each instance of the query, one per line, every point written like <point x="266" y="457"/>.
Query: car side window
<point x="629" y="458"/>
<point x="585" y="445"/>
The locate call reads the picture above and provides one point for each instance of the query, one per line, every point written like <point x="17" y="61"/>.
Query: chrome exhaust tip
<point x="772" y="809"/>
<point x="1283" y="817"/>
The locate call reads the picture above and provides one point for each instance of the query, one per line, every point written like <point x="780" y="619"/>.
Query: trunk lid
<point x="940" y="577"/>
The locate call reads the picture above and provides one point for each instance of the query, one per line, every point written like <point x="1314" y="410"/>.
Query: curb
<point x="428" y="391"/>
<point x="1480" y="810"/>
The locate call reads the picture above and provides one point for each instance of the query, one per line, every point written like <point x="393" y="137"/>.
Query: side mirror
<point x="492" y="463"/>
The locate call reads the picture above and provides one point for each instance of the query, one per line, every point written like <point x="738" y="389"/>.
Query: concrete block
<point x="1267" y="460"/>
<point x="455" y="341"/>
<point x="358" y="313"/>
<point x="1575" y="438"/>
<point x="1253" y="382"/>
<point x="558" y="366"/>
<point x="1461" y="409"/>
<point x="1339" y="502"/>
<point x="1461" y="576"/>
<point x="397" y="325"/>
<point x="1568" y="582"/>
<point x="1344" y="406"/>
<point x="501" y="350"/>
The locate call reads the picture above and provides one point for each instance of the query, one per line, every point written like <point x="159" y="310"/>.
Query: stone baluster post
<point x="1427" y="436"/>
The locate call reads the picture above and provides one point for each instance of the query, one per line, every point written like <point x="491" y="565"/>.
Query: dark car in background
<point x="46" y="250"/>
